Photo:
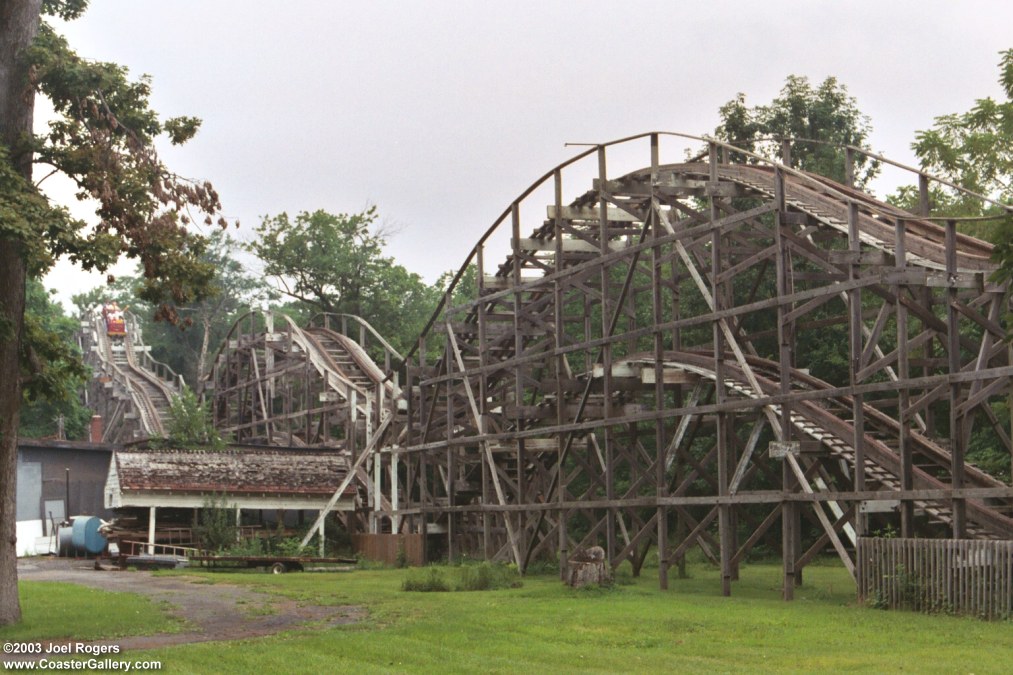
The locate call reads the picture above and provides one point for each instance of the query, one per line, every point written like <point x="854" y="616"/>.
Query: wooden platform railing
<point x="957" y="576"/>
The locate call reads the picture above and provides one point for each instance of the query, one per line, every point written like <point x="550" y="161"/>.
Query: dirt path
<point x="212" y="611"/>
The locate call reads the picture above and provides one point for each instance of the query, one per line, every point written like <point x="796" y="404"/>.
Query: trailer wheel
<point x="278" y="568"/>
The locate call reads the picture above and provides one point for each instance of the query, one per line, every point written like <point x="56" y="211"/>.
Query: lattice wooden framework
<point x="275" y="383"/>
<point x="691" y="354"/>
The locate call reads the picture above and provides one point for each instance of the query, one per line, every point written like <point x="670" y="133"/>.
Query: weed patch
<point x="483" y="576"/>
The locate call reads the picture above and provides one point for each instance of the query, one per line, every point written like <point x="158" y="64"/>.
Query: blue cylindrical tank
<point x="85" y="535"/>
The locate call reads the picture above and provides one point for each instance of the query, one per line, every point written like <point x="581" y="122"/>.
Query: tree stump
<point x="588" y="567"/>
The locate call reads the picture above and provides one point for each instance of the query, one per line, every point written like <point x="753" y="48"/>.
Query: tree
<point x="50" y="392"/>
<point x="103" y="140"/>
<point x="827" y="114"/>
<point x="185" y="347"/>
<point x="335" y="263"/>
<point x="975" y="150"/>
<point x="190" y="424"/>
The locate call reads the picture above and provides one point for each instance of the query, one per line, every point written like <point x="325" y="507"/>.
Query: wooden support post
<point x="520" y="474"/>
<point x="956" y="419"/>
<point x="606" y="358"/>
<point x="483" y="398"/>
<point x="657" y="316"/>
<point x="451" y="425"/>
<point x="151" y="529"/>
<point x="924" y="205"/>
<point x="903" y="395"/>
<point x="561" y="371"/>
<point x="395" y="503"/>
<point x="855" y="363"/>
<point x="789" y="512"/>
<point x="377" y="494"/>
<point x="720" y="395"/>
<point x="322" y="547"/>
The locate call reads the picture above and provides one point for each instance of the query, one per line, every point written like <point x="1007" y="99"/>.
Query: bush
<point x="217" y="529"/>
<point x="481" y="577"/>
<point x="427" y="581"/>
<point x="487" y="576"/>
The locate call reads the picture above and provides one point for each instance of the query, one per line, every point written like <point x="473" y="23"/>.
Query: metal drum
<point x="85" y="535"/>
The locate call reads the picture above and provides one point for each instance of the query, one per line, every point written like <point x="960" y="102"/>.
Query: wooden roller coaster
<point x="129" y="389"/>
<point x="724" y="340"/>
<point x="683" y="356"/>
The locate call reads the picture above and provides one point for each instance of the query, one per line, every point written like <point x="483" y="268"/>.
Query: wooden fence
<point x="392" y="549"/>
<point x="937" y="575"/>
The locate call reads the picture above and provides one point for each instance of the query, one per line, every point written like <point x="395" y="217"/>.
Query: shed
<point x="251" y="478"/>
<point x="57" y="479"/>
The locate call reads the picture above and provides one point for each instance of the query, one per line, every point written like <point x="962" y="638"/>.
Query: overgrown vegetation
<point x="190" y="424"/>
<point x="216" y="528"/>
<point x="483" y="576"/>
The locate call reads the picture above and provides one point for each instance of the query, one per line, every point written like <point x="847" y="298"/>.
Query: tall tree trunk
<point x="19" y="22"/>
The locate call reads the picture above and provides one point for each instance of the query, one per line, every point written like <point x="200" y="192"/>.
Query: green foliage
<point x="428" y="580"/>
<point x="52" y="371"/>
<point x="487" y="576"/>
<point x="102" y="140"/>
<point x="55" y="610"/>
<point x="190" y="424"/>
<point x="216" y="529"/>
<point x="335" y="263"/>
<point x="483" y="576"/>
<point x="985" y="450"/>
<point x="826" y="113"/>
<point x="187" y="346"/>
<point x="975" y="149"/>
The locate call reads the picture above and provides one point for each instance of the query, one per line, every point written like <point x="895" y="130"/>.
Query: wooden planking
<point x="392" y="549"/>
<point x="955" y="576"/>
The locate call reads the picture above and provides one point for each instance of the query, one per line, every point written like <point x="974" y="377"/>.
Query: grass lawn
<point x="53" y="610"/>
<point x="547" y="627"/>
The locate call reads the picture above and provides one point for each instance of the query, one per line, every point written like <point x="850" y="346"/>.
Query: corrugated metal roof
<point x="232" y="471"/>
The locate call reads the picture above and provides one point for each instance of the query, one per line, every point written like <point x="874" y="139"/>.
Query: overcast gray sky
<point x="441" y="113"/>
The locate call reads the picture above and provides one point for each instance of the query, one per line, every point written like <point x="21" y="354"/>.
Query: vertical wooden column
<point x="606" y="359"/>
<point x="956" y="420"/>
<point x="322" y="543"/>
<point x="720" y="394"/>
<point x="395" y="502"/>
<point x="151" y="528"/>
<point x="560" y="368"/>
<point x="521" y="456"/>
<point x="451" y="463"/>
<point x="423" y="465"/>
<point x="855" y="364"/>
<point x="789" y="512"/>
<point x="927" y="300"/>
<point x="678" y="392"/>
<point x="661" y="479"/>
<point x="413" y="416"/>
<point x="903" y="393"/>
<point x="483" y="403"/>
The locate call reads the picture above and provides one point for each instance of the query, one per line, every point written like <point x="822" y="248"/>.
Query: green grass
<point x="62" y="610"/>
<point x="632" y="627"/>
